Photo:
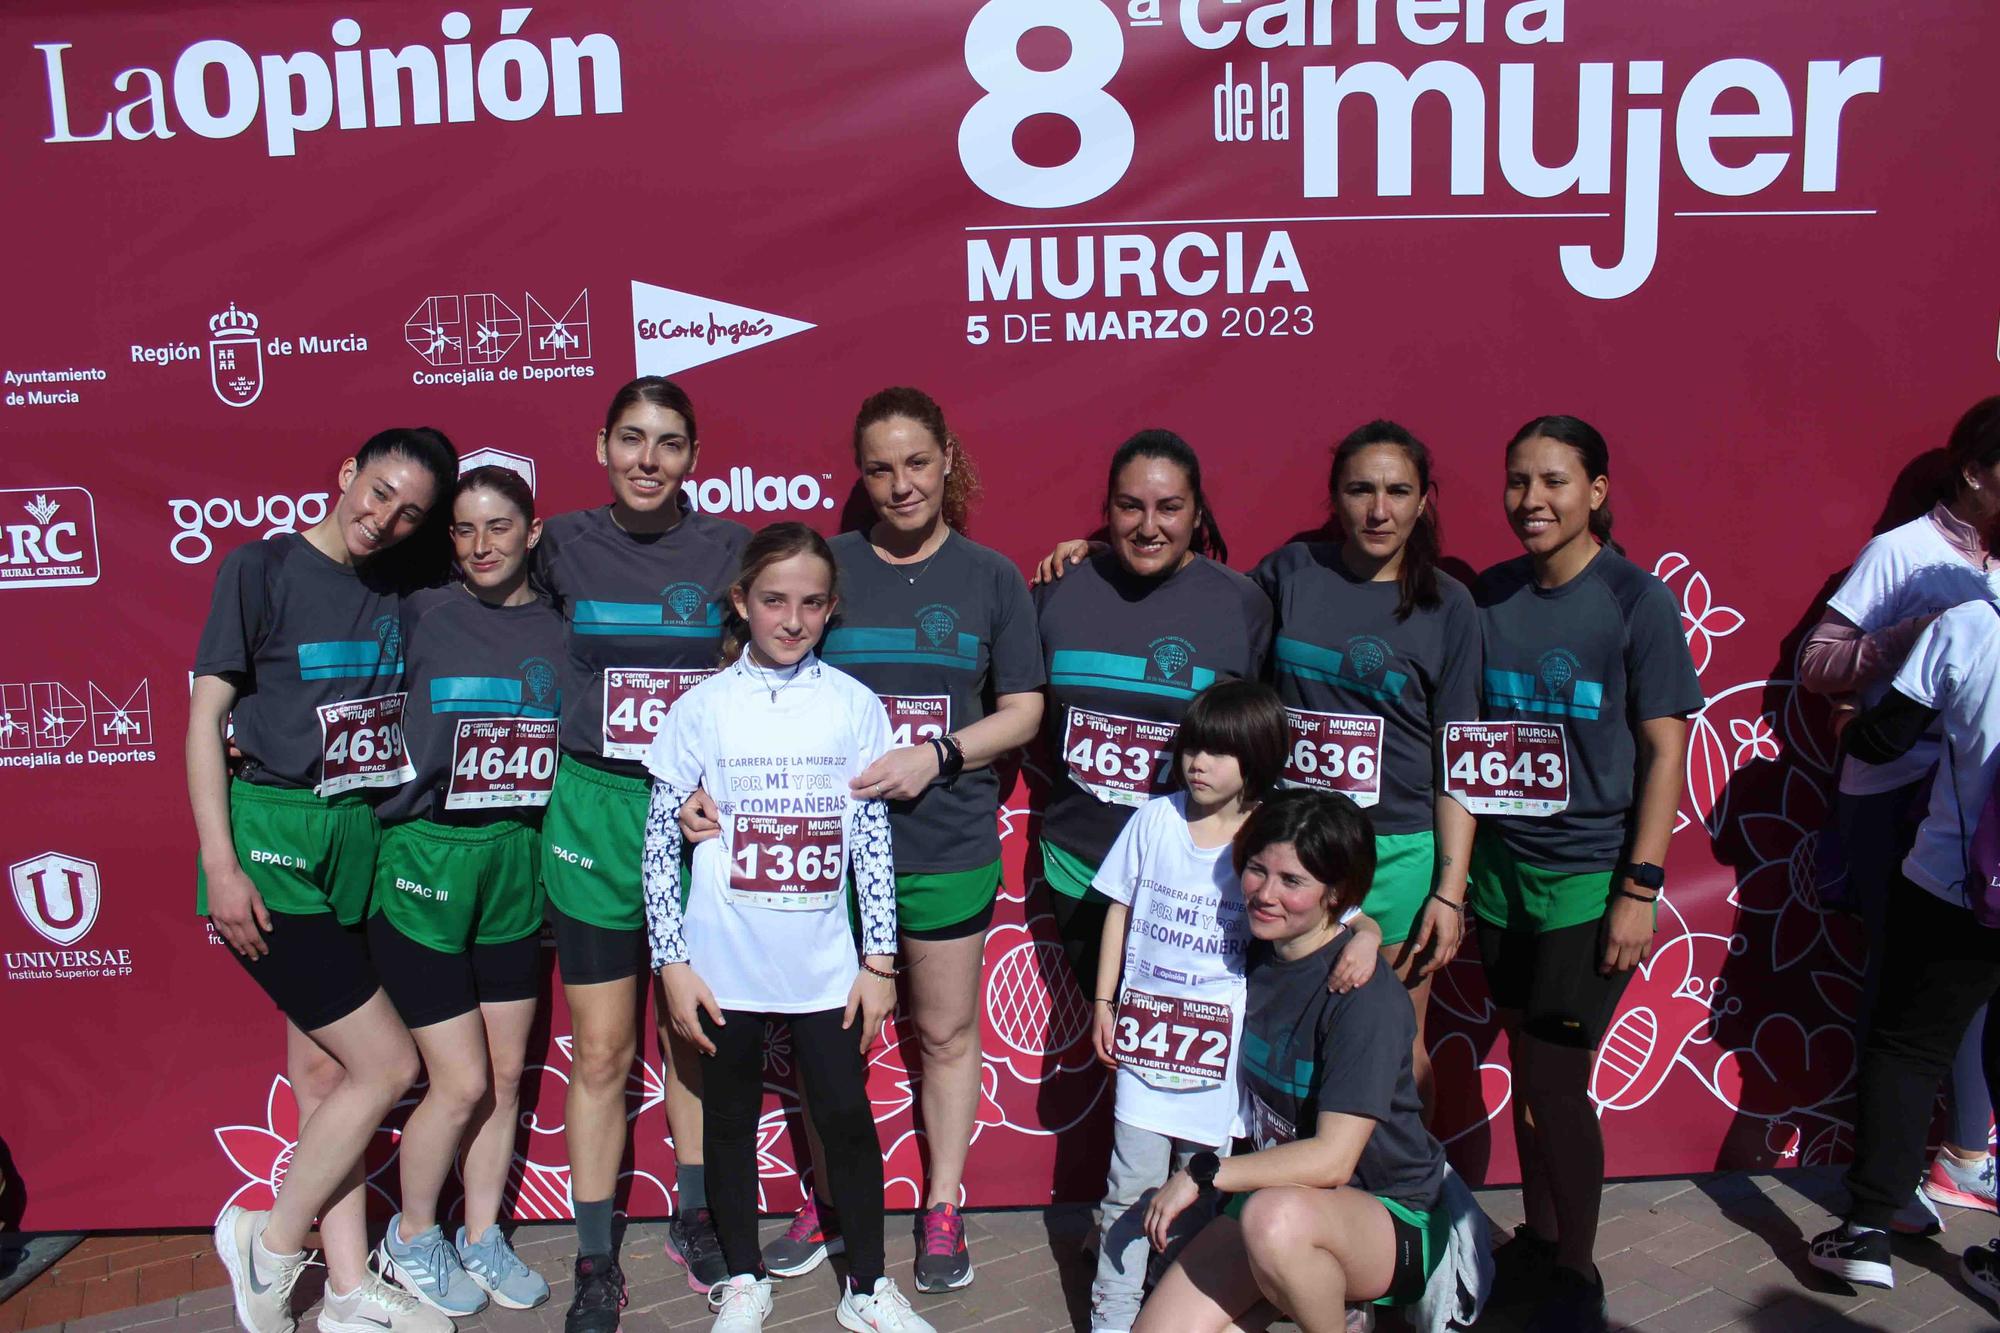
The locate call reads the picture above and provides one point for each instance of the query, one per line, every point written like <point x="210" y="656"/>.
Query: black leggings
<point x="836" y="1086"/>
<point x="1939" y="965"/>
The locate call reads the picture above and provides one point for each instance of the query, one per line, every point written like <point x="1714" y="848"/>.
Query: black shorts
<point x="430" y="986"/>
<point x="1411" y="1277"/>
<point x="975" y="924"/>
<point x="317" y="971"/>
<point x="1551" y="977"/>
<point x="591" y="955"/>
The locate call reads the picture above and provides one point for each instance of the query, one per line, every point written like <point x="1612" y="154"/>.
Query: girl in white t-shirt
<point x="1170" y="987"/>
<point x="762" y="932"/>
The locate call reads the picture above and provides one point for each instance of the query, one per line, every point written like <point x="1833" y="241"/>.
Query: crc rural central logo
<point x="48" y="537"/>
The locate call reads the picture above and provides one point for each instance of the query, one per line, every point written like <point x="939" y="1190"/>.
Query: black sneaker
<point x="1980" y="1267"/>
<point x="600" y="1295"/>
<point x="1574" y="1304"/>
<point x="693" y="1244"/>
<point x="1521" y="1269"/>
<point x="1862" y="1258"/>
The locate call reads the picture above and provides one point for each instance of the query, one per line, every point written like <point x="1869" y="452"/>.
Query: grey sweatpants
<point x="1141" y="1162"/>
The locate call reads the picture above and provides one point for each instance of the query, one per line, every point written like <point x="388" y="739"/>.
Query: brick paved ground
<point x="1678" y="1256"/>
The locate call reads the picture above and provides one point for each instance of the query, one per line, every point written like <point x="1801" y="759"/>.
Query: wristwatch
<point x="1645" y="874"/>
<point x="1201" y="1169"/>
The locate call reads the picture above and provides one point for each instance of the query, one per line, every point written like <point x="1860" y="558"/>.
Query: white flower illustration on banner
<point x="1701" y="619"/>
<point x="1783" y="883"/>
<point x="1672" y="1000"/>
<point x="263" y="1152"/>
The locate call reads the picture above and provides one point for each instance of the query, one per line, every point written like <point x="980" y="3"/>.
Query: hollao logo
<point x="235" y="360"/>
<point x="58" y="896"/>
<point x="519" y="463"/>
<point x="465" y="339"/>
<point x="42" y="723"/>
<point x="56" y="545"/>
<point x="674" y="330"/>
<point x="744" y="492"/>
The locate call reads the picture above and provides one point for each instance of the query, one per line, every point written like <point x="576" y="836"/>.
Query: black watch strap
<point x="1645" y="874"/>
<point x="1201" y="1169"/>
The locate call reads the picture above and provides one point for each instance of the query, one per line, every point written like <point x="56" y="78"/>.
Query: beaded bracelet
<point x="875" y="971"/>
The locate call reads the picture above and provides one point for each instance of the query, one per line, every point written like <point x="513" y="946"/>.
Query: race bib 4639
<point x="361" y="745"/>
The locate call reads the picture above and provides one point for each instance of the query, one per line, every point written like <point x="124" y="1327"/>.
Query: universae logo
<point x="58" y="895"/>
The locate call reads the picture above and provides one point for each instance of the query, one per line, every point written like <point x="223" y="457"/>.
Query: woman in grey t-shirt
<point x="1339" y="1200"/>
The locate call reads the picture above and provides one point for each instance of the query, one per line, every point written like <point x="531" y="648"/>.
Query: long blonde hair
<point x="778" y="541"/>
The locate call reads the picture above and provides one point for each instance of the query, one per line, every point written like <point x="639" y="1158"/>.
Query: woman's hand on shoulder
<point x="1057" y="562"/>
<point x="1358" y="958"/>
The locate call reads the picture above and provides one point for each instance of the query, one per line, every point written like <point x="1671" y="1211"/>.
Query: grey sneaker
<point x="427" y="1267"/>
<point x="500" y="1273"/>
<point x="260" y="1283"/>
<point x="805" y="1245"/>
<point x="377" y="1307"/>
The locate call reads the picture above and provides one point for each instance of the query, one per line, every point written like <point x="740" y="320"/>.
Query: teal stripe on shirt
<point x="1307" y="661"/>
<point x="642" y="620"/>
<point x="1115" y="671"/>
<point x="491" y="696"/>
<point x="1516" y="690"/>
<point x="850" y="644"/>
<point x="339" y="659"/>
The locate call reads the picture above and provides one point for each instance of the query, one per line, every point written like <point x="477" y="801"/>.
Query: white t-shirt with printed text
<point x="777" y="769"/>
<point x="1955" y="668"/>
<point x="1186" y="936"/>
<point x="1908" y="571"/>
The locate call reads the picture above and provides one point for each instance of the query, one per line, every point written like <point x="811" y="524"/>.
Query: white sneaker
<point x="740" y="1304"/>
<point x="883" y="1310"/>
<point x="377" y="1307"/>
<point x="260" y="1281"/>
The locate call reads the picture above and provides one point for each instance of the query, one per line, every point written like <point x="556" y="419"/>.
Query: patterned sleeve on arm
<point x="661" y="867"/>
<point x="874" y="878"/>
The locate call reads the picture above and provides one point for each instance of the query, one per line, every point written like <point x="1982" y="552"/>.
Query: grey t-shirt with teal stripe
<point x="1340" y="649"/>
<point x="466" y="659"/>
<point x="937" y="641"/>
<point x="634" y="600"/>
<point x="1600" y="654"/>
<point x="1136" y="648"/>
<point x="294" y="630"/>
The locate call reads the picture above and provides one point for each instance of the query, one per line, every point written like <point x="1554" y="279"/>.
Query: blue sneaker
<point x="500" y="1272"/>
<point x="428" y="1268"/>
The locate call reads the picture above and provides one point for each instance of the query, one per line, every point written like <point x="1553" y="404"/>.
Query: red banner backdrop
<point x="1747" y="241"/>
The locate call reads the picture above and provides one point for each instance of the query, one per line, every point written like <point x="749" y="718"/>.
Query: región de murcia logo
<point x="235" y="361"/>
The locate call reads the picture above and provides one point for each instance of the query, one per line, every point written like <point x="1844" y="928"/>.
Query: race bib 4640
<point x="498" y="761"/>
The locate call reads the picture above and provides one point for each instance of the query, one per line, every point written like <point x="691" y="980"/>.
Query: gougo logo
<point x="271" y="513"/>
